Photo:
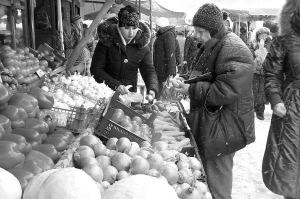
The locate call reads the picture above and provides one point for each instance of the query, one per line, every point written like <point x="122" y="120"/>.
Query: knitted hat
<point x="128" y="16"/>
<point x="273" y="26"/>
<point x="209" y="17"/>
<point x="75" y="18"/>
<point x="262" y="30"/>
<point x="162" y="22"/>
<point x="295" y="21"/>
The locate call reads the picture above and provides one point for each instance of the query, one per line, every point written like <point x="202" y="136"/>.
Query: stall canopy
<point x="256" y="14"/>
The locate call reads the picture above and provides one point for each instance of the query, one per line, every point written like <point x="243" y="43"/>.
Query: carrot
<point x="173" y="133"/>
<point x="180" y="144"/>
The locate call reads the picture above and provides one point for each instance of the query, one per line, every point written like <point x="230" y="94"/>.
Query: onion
<point x="145" y="144"/>
<point x="105" y="184"/>
<point x="81" y="152"/>
<point x="133" y="150"/>
<point x="111" y="143"/>
<point x="111" y="153"/>
<point x="177" y="189"/>
<point x="197" y="174"/>
<point x="171" y="164"/>
<point x="188" y="171"/>
<point x="182" y="164"/>
<point x="183" y="177"/>
<point x="183" y="157"/>
<point x="143" y="153"/>
<point x="122" y="174"/>
<point x="99" y="149"/>
<point x="89" y="140"/>
<point x="191" y="193"/>
<point x="100" y="187"/>
<point x="194" y="164"/>
<point x="207" y="195"/>
<point x="121" y="161"/>
<point x="160" y="146"/>
<point x="94" y="171"/>
<point x="103" y="161"/>
<point x="154" y="173"/>
<point x="185" y="186"/>
<point x="170" y="174"/>
<point x="122" y="144"/>
<point x="87" y="161"/>
<point x="139" y="165"/>
<point x="200" y="186"/>
<point x="156" y="161"/>
<point x="163" y="179"/>
<point x="167" y="155"/>
<point x="110" y="174"/>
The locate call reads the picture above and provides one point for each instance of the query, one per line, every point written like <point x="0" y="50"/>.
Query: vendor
<point x="122" y="50"/>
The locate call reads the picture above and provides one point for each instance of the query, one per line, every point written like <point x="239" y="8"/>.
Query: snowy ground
<point x="247" y="179"/>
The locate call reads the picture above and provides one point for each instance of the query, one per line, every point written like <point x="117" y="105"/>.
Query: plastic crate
<point x="78" y="118"/>
<point x="108" y="128"/>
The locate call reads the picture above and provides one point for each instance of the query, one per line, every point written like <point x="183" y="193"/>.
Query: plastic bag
<point x="131" y="97"/>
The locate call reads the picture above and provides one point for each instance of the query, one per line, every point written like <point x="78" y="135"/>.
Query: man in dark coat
<point x="229" y="92"/>
<point x="122" y="50"/>
<point x="164" y="52"/>
<point x="281" y="161"/>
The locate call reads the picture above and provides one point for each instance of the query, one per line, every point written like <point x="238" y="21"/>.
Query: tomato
<point x="8" y="62"/>
<point x="46" y="52"/>
<point x="20" y="78"/>
<point x="20" y="51"/>
<point x="118" y="115"/>
<point x="126" y="123"/>
<point x="29" y="62"/>
<point x="42" y="68"/>
<point x="35" y="60"/>
<point x="30" y="55"/>
<point x="17" y="69"/>
<point x="11" y="69"/>
<point x="127" y="117"/>
<point x="43" y="63"/>
<point x="145" y="130"/>
<point x="48" y="70"/>
<point x="135" y="126"/>
<point x="137" y="119"/>
<point x="6" y="54"/>
<point x="26" y="50"/>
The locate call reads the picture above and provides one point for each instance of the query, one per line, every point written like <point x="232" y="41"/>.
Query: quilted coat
<point x="230" y="61"/>
<point x="281" y="161"/>
<point x="117" y="64"/>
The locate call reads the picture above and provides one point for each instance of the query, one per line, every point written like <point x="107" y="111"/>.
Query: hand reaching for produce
<point x="151" y="96"/>
<point x="123" y="89"/>
<point x="182" y="88"/>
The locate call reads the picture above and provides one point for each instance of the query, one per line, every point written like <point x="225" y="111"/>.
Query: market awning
<point x="252" y="14"/>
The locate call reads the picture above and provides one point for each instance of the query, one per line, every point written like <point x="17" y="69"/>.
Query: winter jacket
<point x="230" y="61"/>
<point x="117" y="64"/>
<point x="281" y="161"/>
<point x="190" y="51"/>
<point x="164" y="54"/>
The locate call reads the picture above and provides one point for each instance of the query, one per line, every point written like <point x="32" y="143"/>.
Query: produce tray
<point x="78" y="118"/>
<point x="108" y="128"/>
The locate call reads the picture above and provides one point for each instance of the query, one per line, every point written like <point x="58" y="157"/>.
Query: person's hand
<point x="151" y="96"/>
<point x="123" y="89"/>
<point x="182" y="88"/>
<point x="279" y="110"/>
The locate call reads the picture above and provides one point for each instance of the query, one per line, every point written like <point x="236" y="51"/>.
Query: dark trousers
<point x="161" y="80"/>
<point x="290" y="198"/>
<point x="259" y="109"/>
<point x="219" y="176"/>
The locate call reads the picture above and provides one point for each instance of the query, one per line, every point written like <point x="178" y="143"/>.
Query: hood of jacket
<point x="286" y="16"/>
<point x="166" y="29"/>
<point x="108" y="33"/>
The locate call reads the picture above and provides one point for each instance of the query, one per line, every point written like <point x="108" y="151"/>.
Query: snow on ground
<point x="247" y="178"/>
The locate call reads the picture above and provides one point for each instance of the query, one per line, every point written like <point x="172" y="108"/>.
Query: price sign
<point x="40" y="73"/>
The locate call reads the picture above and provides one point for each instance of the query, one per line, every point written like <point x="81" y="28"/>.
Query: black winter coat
<point x="117" y="64"/>
<point x="281" y="162"/>
<point x="164" y="51"/>
<point x="231" y="64"/>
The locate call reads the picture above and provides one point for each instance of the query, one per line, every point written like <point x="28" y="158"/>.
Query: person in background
<point x="226" y="21"/>
<point x="191" y="48"/>
<point x="181" y="41"/>
<point x="122" y="50"/>
<point x="259" y="52"/>
<point x="280" y="165"/>
<point x="273" y="26"/>
<point x="230" y="61"/>
<point x="164" y="52"/>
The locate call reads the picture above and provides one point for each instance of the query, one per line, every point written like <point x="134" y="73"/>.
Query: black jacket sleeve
<point x="98" y="67"/>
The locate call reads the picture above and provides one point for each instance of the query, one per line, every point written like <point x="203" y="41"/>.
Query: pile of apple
<point x="21" y="64"/>
<point x="85" y="85"/>
<point x="119" y="158"/>
<point x="134" y="124"/>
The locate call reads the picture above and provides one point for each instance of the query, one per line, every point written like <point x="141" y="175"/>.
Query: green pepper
<point x="3" y="106"/>
<point x="29" y="134"/>
<point x="44" y="98"/>
<point x="32" y="167"/>
<point x="49" y="117"/>
<point x="5" y="94"/>
<point x="2" y="131"/>
<point x="23" y="176"/>
<point x="10" y="156"/>
<point x="16" y="115"/>
<point x="42" y="160"/>
<point x="50" y="151"/>
<point x="24" y="147"/>
<point x="37" y="124"/>
<point x="27" y="102"/>
<point x="6" y="123"/>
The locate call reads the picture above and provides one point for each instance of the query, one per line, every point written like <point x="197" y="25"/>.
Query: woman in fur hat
<point x="122" y="50"/>
<point x="259" y="51"/>
<point x="281" y="162"/>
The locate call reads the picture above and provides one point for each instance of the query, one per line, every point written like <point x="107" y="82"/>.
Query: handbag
<point x="218" y="131"/>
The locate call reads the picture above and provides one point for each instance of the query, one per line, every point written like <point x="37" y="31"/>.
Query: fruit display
<point x="20" y="66"/>
<point x="111" y="163"/>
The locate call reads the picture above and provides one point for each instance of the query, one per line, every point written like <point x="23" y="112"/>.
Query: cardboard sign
<point x="40" y="73"/>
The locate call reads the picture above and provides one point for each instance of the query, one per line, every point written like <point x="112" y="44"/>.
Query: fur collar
<point x="285" y="17"/>
<point x="108" y="33"/>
